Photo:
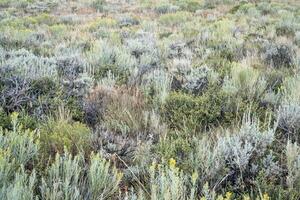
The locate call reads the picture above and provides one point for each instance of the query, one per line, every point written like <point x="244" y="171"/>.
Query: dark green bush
<point x="189" y="5"/>
<point x="98" y="5"/>
<point x="4" y="119"/>
<point x="59" y="135"/>
<point x="193" y="112"/>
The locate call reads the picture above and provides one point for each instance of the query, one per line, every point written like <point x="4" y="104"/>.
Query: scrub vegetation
<point x="149" y="99"/>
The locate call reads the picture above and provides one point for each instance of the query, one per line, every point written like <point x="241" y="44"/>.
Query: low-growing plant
<point x="126" y="112"/>
<point x="231" y="157"/>
<point x="245" y="82"/>
<point x="293" y="167"/>
<point x="58" y="135"/>
<point x="99" y="5"/>
<point x="103" y="178"/>
<point x="278" y="55"/>
<point x="65" y="178"/>
<point x="128" y="20"/>
<point x="288" y="111"/>
<point x="168" y="182"/>
<point x="164" y="8"/>
<point x="190" y="5"/>
<point x="21" y="146"/>
<point x="194" y="113"/>
<point x="173" y="19"/>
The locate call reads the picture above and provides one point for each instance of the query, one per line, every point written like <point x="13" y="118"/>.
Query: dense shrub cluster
<point x="149" y="99"/>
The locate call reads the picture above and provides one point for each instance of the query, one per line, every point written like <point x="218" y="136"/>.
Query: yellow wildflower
<point x="172" y="163"/>
<point x="246" y="197"/>
<point x="14" y="115"/>
<point x="228" y="195"/>
<point x="153" y="166"/>
<point x="266" y="197"/>
<point x="194" y="177"/>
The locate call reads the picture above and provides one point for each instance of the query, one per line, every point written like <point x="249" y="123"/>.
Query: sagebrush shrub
<point x="103" y="178"/>
<point x="233" y="156"/>
<point x="28" y="64"/>
<point x="19" y="150"/>
<point x="293" y="165"/>
<point x="127" y="20"/>
<point x="21" y="145"/>
<point x="156" y="85"/>
<point x="22" y="187"/>
<point x="168" y="182"/>
<point x="278" y="55"/>
<point x="166" y="8"/>
<point x="142" y="81"/>
<point x="289" y="118"/>
<point x="289" y="108"/>
<point x="99" y="5"/>
<point x="65" y="178"/>
<point x="245" y="82"/>
<point x="173" y="19"/>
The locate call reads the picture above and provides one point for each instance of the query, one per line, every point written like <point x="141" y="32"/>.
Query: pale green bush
<point x="279" y="55"/>
<point x="289" y="110"/>
<point x="293" y="165"/>
<point x="18" y="148"/>
<point x="245" y="82"/>
<point x="99" y="5"/>
<point x="164" y="8"/>
<point x="103" y="178"/>
<point x="68" y="178"/>
<point x="231" y="156"/>
<point x="62" y="180"/>
<point x="157" y="85"/>
<point x="21" y="188"/>
<point x="173" y="19"/>
<point x="29" y="65"/>
<point x="168" y="182"/>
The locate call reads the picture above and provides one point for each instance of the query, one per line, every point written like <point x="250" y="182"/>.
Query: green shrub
<point x="187" y="111"/>
<point x="176" y="145"/>
<point x="4" y="119"/>
<point x="245" y="82"/>
<point x="168" y="182"/>
<point x="18" y="152"/>
<point x="293" y="166"/>
<point x="173" y="19"/>
<point x="22" y="187"/>
<point x="297" y="38"/>
<point x="164" y="8"/>
<point x="99" y="5"/>
<point x="21" y="146"/>
<point x="66" y="179"/>
<point x="231" y="153"/>
<point x="61" y="134"/>
<point x="190" y="5"/>
<point x="103" y="179"/>
<point x="286" y="28"/>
